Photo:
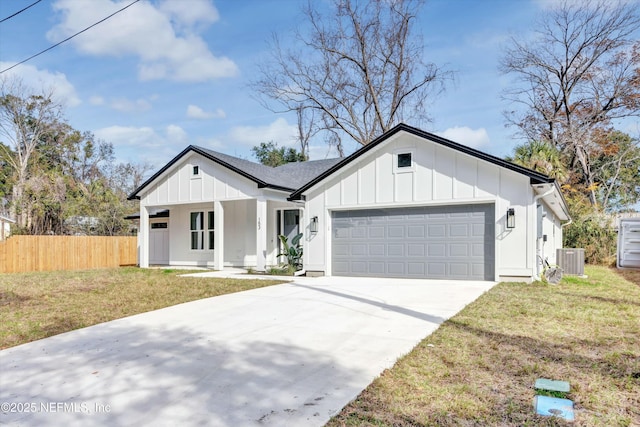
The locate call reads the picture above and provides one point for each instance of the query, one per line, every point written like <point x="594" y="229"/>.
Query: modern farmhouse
<point x="410" y="204"/>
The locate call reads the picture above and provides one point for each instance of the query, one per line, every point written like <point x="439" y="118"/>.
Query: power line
<point x="20" y="11"/>
<point x="69" y="38"/>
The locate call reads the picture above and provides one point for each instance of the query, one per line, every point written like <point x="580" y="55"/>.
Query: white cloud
<point x="144" y="144"/>
<point x="212" y="143"/>
<point x="96" y="100"/>
<point x="176" y="134"/>
<point x="279" y="131"/>
<point x="465" y="135"/>
<point x="44" y="80"/>
<point x="196" y="12"/>
<point x="195" y="112"/>
<point x="129" y="106"/>
<point x="146" y="32"/>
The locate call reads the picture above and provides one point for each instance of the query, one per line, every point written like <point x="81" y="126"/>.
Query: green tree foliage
<point x="575" y="75"/>
<point x="617" y="171"/>
<point x="270" y="154"/>
<point x="541" y="157"/>
<point x="5" y="175"/>
<point x="25" y="119"/>
<point x="616" y="187"/>
<point x="69" y="182"/>
<point x="595" y="234"/>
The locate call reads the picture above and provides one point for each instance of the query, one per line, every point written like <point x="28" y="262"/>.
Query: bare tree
<point x="578" y="74"/>
<point x="360" y="69"/>
<point x="305" y="130"/>
<point x="25" y="117"/>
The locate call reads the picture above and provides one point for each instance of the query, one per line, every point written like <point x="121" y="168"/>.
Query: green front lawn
<point x="39" y="305"/>
<point x="479" y="368"/>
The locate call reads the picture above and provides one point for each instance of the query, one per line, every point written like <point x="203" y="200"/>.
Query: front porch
<point x="241" y="233"/>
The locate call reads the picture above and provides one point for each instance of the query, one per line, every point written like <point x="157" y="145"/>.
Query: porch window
<point x="198" y="231"/>
<point x="211" y="229"/>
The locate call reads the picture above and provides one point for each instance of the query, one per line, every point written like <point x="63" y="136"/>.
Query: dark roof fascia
<point x="261" y="184"/>
<point x="276" y="187"/>
<point x="535" y="177"/>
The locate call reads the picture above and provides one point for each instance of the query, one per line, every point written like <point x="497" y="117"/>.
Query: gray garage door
<point x="439" y="242"/>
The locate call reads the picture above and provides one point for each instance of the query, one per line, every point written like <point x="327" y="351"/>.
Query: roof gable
<point x="535" y="177"/>
<point x="286" y="177"/>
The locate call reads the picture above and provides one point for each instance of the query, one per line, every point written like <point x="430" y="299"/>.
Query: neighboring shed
<point x="5" y="227"/>
<point x="629" y="243"/>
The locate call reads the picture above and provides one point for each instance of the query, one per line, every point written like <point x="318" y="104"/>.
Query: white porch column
<point x="218" y="239"/>
<point x="143" y="238"/>
<point x="261" y="234"/>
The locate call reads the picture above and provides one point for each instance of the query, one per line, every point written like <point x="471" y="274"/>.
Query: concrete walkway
<point x="286" y="355"/>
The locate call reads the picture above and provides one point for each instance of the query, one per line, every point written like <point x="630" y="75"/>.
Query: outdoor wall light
<point x="313" y="227"/>
<point x="511" y="218"/>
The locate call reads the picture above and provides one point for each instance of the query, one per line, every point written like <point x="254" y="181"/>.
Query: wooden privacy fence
<point x="46" y="253"/>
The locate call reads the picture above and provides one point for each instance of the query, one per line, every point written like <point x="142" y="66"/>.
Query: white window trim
<point x="409" y="169"/>
<point x="205" y="230"/>
<point x="195" y="176"/>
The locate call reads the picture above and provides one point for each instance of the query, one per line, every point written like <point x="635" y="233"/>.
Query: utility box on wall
<point x="571" y="260"/>
<point x="629" y="243"/>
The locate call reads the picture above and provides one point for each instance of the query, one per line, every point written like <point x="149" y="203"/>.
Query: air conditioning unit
<point x="571" y="260"/>
<point x="629" y="243"/>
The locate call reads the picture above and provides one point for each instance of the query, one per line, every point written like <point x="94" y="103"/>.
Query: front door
<point x="159" y="243"/>
<point x="288" y="225"/>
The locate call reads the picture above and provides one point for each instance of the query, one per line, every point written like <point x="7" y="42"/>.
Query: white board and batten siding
<point x="439" y="176"/>
<point x="182" y="192"/>
<point x="214" y="182"/>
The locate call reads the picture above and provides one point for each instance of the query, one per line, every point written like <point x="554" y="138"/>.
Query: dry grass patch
<point x="39" y="305"/>
<point x="479" y="367"/>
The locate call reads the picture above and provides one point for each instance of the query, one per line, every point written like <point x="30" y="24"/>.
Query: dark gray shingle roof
<point x="287" y="177"/>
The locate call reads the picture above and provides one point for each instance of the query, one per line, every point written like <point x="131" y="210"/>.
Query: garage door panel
<point x="477" y="230"/>
<point x="395" y="268"/>
<point x="436" y="230"/>
<point x="436" y="270"/>
<point x="341" y="233"/>
<point x="359" y="250"/>
<point x="416" y="250"/>
<point x="358" y="232"/>
<point x="477" y="270"/>
<point x="340" y="249"/>
<point x="395" y="231"/>
<point x="376" y="232"/>
<point x="359" y="267"/>
<point x="341" y="268"/>
<point x="458" y="269"/>
<point x="376" y="249"/>
<point x="458" y="230"/>
<point x="416" y="268"/>
<point x="436" y="250"/>
<point x="377" y="268"/>
<point x="459" y="250"/>
<point x="455" y="242"/>
<point x="415" y="231"/>
<point x="395" y="250"/>
<point x="478" y="250"/>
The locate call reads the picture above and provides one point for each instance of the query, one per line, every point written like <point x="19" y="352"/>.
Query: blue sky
<point x="167" y="73"/>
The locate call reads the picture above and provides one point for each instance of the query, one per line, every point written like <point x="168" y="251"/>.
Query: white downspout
<point x="538" y="265"/>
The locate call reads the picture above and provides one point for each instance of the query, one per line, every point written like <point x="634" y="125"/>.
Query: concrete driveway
<point x="286" y="355"/>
